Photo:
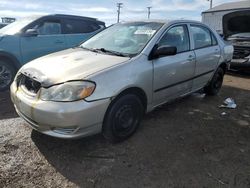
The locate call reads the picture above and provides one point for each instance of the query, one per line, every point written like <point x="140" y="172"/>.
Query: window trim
<point x="210" y="33"/>
<point x="176" y="25"/>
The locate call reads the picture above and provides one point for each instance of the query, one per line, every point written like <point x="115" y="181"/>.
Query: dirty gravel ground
<point x="187" y="143"/>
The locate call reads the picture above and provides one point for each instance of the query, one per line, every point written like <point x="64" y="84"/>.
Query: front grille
<point x="29" y="84"/>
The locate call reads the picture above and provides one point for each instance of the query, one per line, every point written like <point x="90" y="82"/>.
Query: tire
<point x="215" y="84"/>
<point x="7" y="75"/>
<point x="122" y="118"/>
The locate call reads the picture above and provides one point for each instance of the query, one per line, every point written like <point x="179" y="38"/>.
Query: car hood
<point x="236" y="22"/>
<point x="71" y="64"/>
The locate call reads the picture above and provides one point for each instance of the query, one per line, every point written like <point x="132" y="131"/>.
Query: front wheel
<point x="215" y="84"/>
<point x="7" y="74"/>
<point x="122" y="118"/>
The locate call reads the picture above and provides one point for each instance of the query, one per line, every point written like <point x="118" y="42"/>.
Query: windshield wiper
<point x="110" y="52"/>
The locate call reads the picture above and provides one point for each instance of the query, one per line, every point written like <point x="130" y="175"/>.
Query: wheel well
<point x="138" y="92"/>
<point x="224" y="67"/>
<point x="10" y="60"/>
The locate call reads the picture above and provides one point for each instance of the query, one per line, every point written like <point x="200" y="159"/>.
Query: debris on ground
<point x="223" y="113"/>
<point x="229" y="103"/>
<point x="199" y="95"/>
<point x="243" y="123"/>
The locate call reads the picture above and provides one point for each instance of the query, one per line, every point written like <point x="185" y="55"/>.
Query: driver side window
<point x="176" y="36"/>
<point x="48" y="28"/>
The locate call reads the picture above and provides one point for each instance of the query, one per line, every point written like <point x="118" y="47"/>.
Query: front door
<point x="49" y="39"/>
<point x="173" y="74"/>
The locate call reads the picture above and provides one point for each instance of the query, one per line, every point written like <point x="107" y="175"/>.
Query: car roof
<point x="165" y="21"/>
<point x="66" y="16"/>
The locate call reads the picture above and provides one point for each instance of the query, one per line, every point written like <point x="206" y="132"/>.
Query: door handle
<point x="191" y="58"/>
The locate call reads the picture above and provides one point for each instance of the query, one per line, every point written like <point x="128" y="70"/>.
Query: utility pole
<point x="119" y="6"/>
<point x="211" y="3"/>
<point x="149" y="11"/>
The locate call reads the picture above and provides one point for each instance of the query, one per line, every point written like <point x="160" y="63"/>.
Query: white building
<point x="214" y="16"/>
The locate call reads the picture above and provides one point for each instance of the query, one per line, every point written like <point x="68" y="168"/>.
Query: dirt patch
<point x="188" y="143"/>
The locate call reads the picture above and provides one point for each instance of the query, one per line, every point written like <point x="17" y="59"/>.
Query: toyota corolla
<point x="107" y="83"/>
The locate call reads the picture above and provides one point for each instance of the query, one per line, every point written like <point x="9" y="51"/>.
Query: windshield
<point x="16" y="26"/>
<point x="124" y="38"/>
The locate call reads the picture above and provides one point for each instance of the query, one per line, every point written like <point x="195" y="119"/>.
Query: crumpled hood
<point x="71" y="64"/>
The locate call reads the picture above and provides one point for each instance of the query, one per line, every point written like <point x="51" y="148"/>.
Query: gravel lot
<point x="187" y="143"/>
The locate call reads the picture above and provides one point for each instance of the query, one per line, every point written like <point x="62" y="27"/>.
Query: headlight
<point x="68" y="91"/>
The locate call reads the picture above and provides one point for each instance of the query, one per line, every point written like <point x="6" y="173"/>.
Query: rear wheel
<point x="7" y="74"/>
<point x="122" y="118"/>
<point x="215" y="84"/>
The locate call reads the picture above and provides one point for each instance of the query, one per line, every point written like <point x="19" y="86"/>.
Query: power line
<point x="119" y="6"/>
<point x="149" y="12"/>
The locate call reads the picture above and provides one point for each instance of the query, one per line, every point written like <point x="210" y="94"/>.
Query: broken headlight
<point x="68" y="91"/>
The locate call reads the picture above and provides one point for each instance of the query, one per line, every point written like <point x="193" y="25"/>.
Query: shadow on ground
<point x="187" y="143"/>
<point x="6" y="106"/>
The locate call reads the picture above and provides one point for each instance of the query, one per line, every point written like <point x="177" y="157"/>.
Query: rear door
<point x="207" y="52"/>
<point x="173" y="74"/>
<point x="79" y="30"/>
<point x="49" y="39"/>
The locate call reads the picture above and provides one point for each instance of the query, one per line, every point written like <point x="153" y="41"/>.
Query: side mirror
<point x="162" y="51"/>
<point x="31" y="33"/>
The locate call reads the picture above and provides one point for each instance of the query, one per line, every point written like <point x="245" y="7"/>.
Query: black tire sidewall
<point x="108" y="126"/>
<point x="211" y="89"/>
<point x="13" y="73"/>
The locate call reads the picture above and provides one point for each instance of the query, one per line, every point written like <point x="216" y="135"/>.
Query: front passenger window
<point x="176" y="36"/>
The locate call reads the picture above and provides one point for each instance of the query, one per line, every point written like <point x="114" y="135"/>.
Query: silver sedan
<point x="107" y="83"/>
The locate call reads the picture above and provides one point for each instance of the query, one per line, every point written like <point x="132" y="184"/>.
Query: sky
<point x="107" y="10"/>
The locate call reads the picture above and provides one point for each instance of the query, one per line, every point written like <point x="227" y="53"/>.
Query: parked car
<point x="108" y="82"/>
<point x="32" y="37"/>
<point x="2" y="25"/>
<point x="236" y="30"/>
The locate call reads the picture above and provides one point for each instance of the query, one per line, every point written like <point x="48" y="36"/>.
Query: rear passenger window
<point x="74" y="26"/>
<point x="176" y="36"/>
<point x="202" y="36"/>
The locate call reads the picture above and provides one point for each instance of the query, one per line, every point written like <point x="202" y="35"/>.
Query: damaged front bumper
<point x="240" y="64"/>
<point x="60" y="119"/>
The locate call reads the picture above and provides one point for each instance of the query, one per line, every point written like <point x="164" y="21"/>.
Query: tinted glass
<point x="201" y="36"/>
<point x="177" y="36"/>
<point x="74" y="26"/>
<point x="49" y="28"/>
<point x="17" y="26"/>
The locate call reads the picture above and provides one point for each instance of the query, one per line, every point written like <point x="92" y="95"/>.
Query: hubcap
<point x="5" y="76"/>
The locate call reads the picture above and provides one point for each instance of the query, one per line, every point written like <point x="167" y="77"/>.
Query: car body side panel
<point x="11" y="45"/>
<point x="73" y="40"/>
<point x="138" y="72"/>
<point x="34" y="47"/>
<point x="172" y="76"/>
